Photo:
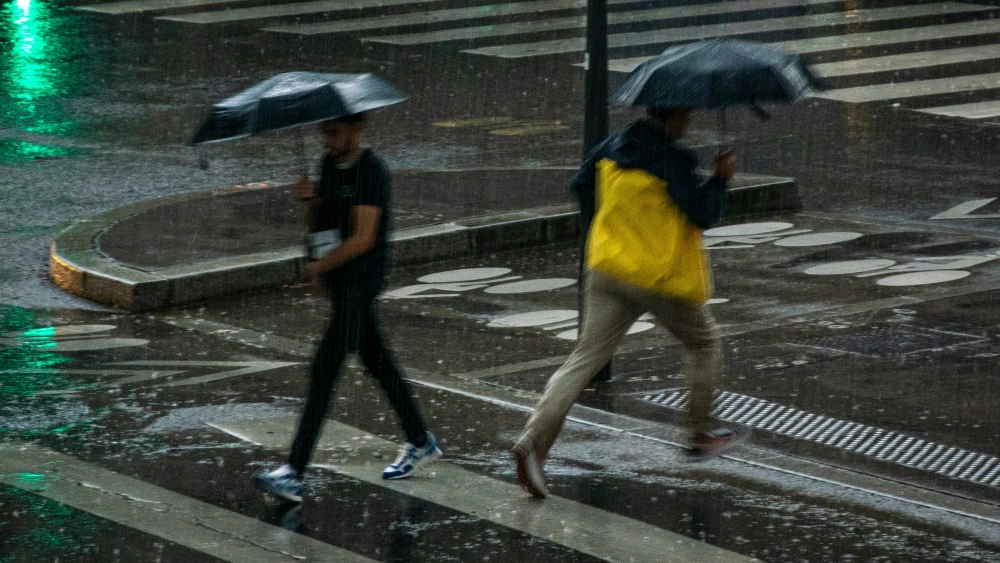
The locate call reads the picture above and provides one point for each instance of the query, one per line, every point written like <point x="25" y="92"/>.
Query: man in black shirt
<point x="351" y="202"/>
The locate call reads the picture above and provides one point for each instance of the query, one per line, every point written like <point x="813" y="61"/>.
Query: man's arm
<point x="584" y="188"/>
<point x="703" y="201"/>
<point x="305" y="191"/>
<point x="365" y="219"/>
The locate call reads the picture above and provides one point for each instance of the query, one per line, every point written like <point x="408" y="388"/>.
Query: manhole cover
<point x="891" y="340"/>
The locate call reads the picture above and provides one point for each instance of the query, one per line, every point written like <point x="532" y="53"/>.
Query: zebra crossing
<point x="936" y="57"/>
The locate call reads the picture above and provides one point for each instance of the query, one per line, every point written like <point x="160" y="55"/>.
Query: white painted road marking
<point x="146" y="6"/>
<point x="130" y="502"/>
<point x="856" y="40"/>
<point x="977" y="110"/>
<point x="695" y="33"/>
<point x="915" y="89"/>
<point x="964" y="210"/>
<point x="70" y="338"/>
<point x="885" y="445"/>
<point x="156" y="377"/>
<point x="907" y="61"/>
<point x="617" y="17"/>
<point x="568" y="523"/>
<point x="437" y="16"/>
<point x="284" y="10"/>
<point x="465" y="384"/>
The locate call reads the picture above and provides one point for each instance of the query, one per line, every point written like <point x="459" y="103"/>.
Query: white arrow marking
<point x="962" y="210"/>
<point x="142" y="376"/>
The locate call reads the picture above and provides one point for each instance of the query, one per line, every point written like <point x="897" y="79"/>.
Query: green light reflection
<point x="36" y="356"/>
<point x="35" y="76"/>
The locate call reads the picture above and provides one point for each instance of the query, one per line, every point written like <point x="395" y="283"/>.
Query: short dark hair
<point x="665" y="113"/>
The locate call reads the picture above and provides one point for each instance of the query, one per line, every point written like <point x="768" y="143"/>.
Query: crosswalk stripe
<point x="902" y="90"/>
<point x="891" y="37"/>
<point x="480" y="32"/>
<point x="599" y="533"/>
<point x="146" y="6"/>
<point x="437" y="16"/>
<point x="979" y="110"/>
<point x="614" y="18"/>
<point x="197" y="525"/>
<point x="286" y="10"/>
<point x="693" y="33"/>
<point x="857" y="40"/>
<point x="907" y="61"/>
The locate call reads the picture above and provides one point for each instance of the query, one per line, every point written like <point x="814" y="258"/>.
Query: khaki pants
<point x="611" y="308"/>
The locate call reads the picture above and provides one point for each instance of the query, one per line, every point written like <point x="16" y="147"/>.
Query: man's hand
<point x="316" y="275"/>
<point x="305" y="188"/>
<point x="725" y="165"/>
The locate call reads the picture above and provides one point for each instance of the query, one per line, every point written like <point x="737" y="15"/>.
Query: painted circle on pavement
<point x="530" y="286"/>
<point x="745" y="229"/>
<point x="636" y="328"/>
<point x="535" y="318"/>
<point x="818" y="239"/>
<point x="849" y="267"/>
<point x="464" y="275"/>
<point x="923" y="278"/>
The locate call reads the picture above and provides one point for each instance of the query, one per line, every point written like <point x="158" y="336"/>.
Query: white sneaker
<point x="411" y="457"/>
<point x="282" y="482"/>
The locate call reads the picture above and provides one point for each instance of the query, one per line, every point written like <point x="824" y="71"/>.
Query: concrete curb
<point x="78" y="266"/>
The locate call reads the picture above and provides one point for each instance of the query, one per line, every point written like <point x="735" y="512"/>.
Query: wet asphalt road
<point x="156" y="427"/>
<point x="95" y="115"/>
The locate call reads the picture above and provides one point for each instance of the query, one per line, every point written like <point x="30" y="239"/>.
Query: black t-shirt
<point x="364" y="183"/>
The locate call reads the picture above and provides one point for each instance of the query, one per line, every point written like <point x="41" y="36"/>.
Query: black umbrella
<point x="716" y="74"/>
<point x="294" y="98"/>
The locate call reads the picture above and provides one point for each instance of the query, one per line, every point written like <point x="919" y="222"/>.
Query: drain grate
<point x="892" y="340"/>
<point x="878" y="443"/>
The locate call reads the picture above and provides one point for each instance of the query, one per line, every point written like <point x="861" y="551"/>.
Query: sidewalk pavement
<point x="205" y="244"/>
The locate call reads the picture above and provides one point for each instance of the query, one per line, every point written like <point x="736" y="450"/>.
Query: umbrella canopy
<point x="295" y="98"/>
<point x="718" y="73"/>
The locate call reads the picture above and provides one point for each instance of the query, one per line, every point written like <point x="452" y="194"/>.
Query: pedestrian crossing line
<point x="979" y="110"/>
<point x="891" y="37"/>
<point x="285" y="10"/>
<point x="437" y="16"/>
<point x="889" y="63"/>
<point x="599" y="533"/>
<point x="907" y="61"/>
<point x="857" y="40"/>
<point x="614" y="18"/>
<point x="194" y="524"/>
<point x="878" y="443"/>
<point x="463" y="384"/>
<point x="915" y="89"/>
<point x="147" y="6"/>
<point x="825" y="22"/>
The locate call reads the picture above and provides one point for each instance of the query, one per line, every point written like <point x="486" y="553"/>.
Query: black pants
<point x="353" y="328"/>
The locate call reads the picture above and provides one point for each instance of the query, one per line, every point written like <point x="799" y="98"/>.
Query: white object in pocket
<point x="322" y="242"/>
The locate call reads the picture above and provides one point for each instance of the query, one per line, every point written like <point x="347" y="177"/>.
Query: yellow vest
<point x="639" y="236"/>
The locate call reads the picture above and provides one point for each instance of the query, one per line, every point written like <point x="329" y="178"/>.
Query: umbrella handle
<point x="759" y="112"/>
<point x="723" y="145"/>
<point x="301" y="149"/>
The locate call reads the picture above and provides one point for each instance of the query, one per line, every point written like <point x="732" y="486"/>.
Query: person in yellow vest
<point x="644" y="208"/>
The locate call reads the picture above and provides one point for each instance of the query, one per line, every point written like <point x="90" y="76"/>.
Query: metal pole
<point x="595" y="127"/>
<point x="595" y="124"/>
